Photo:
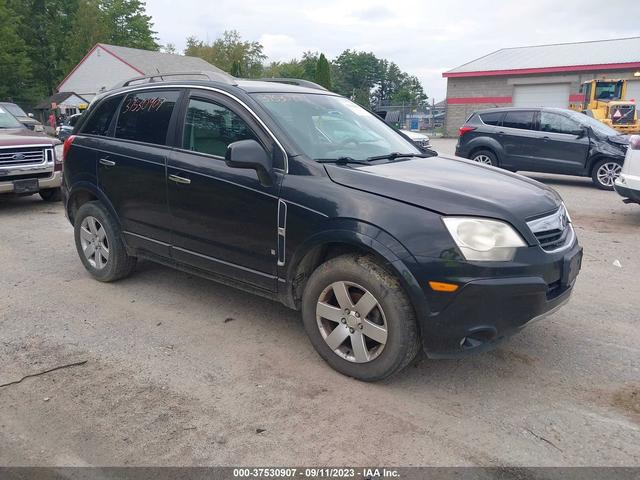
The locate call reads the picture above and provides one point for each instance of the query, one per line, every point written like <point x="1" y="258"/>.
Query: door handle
<point x="177" y="179"/>
<point x="107" y="163"/>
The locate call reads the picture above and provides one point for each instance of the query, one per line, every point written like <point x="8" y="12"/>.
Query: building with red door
<point x="538" y="76"/>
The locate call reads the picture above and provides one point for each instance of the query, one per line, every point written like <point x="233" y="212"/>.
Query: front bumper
<point x="628" y="186"/>
<point x="54" y="180"/>
<point x="485" y="311"/>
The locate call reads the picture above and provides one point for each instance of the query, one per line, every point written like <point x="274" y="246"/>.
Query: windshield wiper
<point x="341" y="160"/>
<point x="394" y="155"/>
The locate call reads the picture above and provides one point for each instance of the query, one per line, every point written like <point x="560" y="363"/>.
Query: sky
<point x="425" y="38"/>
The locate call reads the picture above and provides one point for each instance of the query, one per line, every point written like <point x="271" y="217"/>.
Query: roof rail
<point x="294" y="81"/>
<point x="209" y="74"/>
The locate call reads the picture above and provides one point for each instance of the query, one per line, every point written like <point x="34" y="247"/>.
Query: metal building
<point x="538" y="76"/>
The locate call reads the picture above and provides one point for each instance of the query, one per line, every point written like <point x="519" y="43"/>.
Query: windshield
<point x="7" y="120"/>
<point x="596" y="125"/>
<point x="14" y="109"/>
<point x="331" y="127"/>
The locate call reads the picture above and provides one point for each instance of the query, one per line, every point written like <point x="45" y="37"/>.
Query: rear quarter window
<point x="145" y="116"/>
<point x="99" y="121"/>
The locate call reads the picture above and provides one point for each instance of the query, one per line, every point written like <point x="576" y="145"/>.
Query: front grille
<point x="623" y="114"/>
<point x="552" y="231"/>
<point x="22" y="156"/>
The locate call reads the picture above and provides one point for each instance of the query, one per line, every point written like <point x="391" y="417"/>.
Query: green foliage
<point x="15" y="63"/>
<point x="323" y="72"/>
<point x="54" y="35"/>
<point x="128" y="24"/>
<point x="230" y="53"/>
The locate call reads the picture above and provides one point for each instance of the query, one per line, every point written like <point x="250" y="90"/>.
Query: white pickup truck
<point x="28" y="161"/>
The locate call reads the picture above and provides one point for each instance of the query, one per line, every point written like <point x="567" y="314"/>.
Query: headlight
<point x="481" y="239"/>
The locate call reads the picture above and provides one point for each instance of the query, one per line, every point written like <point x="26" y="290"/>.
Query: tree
<point x="128" y="24"/>
<point x="323" y="72"/>
<point x="230" y="53"/>
<point x="357" y="74"/>
<point x="90" y="27"/>
<point x="16" y="83"/>
<point x="290" y="69"/>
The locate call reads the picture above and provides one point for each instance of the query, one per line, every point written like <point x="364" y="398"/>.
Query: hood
<point x="619" y="139"/>
<point x="23" y="136"/>
<point x="453" y="186"/>
<point x="28" y="120"/>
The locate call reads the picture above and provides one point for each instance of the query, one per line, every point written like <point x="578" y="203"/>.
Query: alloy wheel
<point x="94" y="242"/>
<point x="608" y="172"/>
<point x="351" y="322"/>
<point x="483" y="159"/>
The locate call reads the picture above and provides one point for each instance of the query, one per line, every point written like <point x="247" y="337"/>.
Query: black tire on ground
<point x="51" y="194"/>
<point x="596" y="169"/>
<point x="119" y="264"/>
<point x="486" y="153"/>
<point x="402" y="342"/>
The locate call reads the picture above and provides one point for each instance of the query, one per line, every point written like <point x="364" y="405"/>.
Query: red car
<point x="28" y="161"/>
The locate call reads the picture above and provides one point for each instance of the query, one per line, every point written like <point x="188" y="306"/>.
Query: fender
<point x="91" y="187"/>
<point x="368" y="237"/>
<point x="488" y="143"/>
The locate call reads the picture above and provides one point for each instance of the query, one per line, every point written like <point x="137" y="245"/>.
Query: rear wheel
<point x="486" y="157"/>
<point x="359" y="319"/>
<point x="99" y="244"/>
<point x="51" y="194"/>
<point x="605" y="173"/>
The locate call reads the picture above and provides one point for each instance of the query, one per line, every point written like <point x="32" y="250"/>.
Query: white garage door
<point x="633" y="90"/>
<point x="551" y="95"/>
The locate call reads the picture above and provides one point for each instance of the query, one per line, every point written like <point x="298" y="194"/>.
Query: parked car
<point x="421" y="140"/>
<point x="24" y="118"/>
<point x="628" y="183"/>
<point x="67" y="126"/>
<point x="28" y="161"/>
<point x="551" y="140"/>
<point x="384" y="251"/>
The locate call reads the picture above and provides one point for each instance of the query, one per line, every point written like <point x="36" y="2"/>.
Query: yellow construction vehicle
<point x="605" y="100"/>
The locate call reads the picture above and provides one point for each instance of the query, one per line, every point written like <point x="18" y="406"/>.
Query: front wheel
<point x="605" y="173"/>
<point x="359" y="319"/>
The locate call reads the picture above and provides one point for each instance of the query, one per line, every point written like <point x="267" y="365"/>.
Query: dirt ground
<point x="182" y="371"/>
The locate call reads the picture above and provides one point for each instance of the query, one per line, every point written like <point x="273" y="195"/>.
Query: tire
<point x="51" y="194"/>
<point x="110" y="261"/>
<point x="393" y="312"/>
<point x="605" y="172"/>
<point x="486" y="157"/>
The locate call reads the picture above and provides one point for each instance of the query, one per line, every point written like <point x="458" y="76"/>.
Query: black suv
<point x="550" y="140"/>
<point x="300" y="195"/>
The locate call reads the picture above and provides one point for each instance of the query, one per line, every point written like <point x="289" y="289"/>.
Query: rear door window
<point x="491" y="118"/>
<point x="100" y="120"/>
<point x="520" y="120"/>
<point x="145" y="116"/>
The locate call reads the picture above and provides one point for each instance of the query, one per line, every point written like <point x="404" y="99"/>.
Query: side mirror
<point x="30" y="115"/>
<point x="581" y="132"/>
<point x="250" y="154"/>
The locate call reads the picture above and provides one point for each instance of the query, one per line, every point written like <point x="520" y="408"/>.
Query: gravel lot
<point x="182" y="371"/>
